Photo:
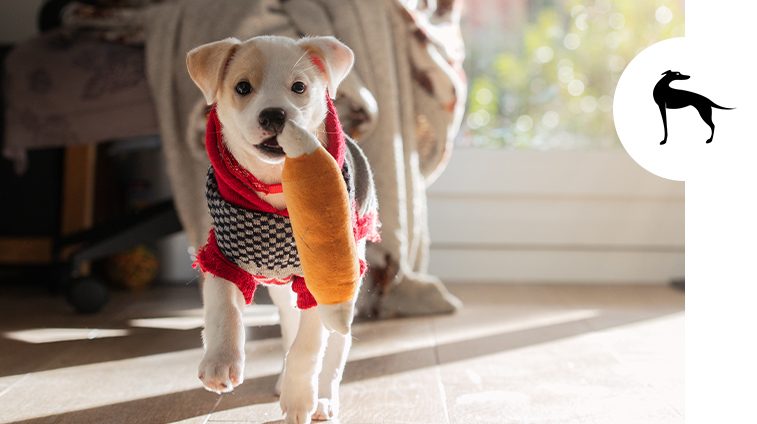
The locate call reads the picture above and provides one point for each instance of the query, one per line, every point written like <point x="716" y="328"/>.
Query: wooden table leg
<point x="78" y="190"/>
<point x="76" y="211"/>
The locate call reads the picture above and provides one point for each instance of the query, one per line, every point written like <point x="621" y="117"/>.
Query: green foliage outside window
<point x="548" y="84"/>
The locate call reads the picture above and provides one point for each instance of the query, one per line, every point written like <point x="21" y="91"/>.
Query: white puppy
<point x="270" y="96"/>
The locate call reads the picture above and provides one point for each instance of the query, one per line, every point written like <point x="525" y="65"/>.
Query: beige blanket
<point x="403" y="103"/>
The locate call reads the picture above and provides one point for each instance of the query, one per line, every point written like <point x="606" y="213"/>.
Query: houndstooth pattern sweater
<point x="260" y="243"/>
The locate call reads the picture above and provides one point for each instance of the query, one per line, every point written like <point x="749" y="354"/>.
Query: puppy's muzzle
<point x="272" y="119"/>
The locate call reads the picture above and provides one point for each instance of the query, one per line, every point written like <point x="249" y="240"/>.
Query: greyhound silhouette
<point x="670" y="98"/>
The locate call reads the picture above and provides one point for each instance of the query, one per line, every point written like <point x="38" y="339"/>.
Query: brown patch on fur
<point x="247" y="64"/>
<point x="320" y="134"/>
<point x="226" y="64"/>
<point x="207" y="64"/>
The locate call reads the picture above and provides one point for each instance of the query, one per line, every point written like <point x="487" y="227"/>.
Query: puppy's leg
<point x="337" y="348"/>
<point x="289" y="316"/>
<point x="303" y="363"/>
<point x="335" y="357"/>
<point x="222" y="366"/>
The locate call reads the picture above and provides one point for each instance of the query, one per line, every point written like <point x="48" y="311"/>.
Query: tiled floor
<point x="515" y="354"/>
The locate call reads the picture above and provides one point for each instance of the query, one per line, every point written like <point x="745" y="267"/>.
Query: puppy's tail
<point x="720" y="107"/>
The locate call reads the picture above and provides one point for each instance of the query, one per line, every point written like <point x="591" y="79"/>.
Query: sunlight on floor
<point x="484" y="328"/>
<point x="602" y="355"/>
<point x="50" y="335"/>
<point x="254" y="315"/>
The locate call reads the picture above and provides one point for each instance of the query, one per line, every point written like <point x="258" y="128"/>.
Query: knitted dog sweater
<point x="251" y="242"/>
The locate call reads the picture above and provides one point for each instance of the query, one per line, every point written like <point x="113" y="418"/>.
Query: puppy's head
<point x="261" y="83"/>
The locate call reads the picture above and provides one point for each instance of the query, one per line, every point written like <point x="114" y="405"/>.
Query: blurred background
<point x="546" y="188"/>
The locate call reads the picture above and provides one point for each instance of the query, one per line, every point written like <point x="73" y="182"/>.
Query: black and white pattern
<point x="261" y="243"/>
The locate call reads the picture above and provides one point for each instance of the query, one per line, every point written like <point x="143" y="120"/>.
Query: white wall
<point x="554" y="216"/>
<point x="18" y="20"/>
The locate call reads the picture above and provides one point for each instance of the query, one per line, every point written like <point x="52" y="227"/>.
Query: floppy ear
<point x="336" y="59"/>
<point x="206" y="65"/>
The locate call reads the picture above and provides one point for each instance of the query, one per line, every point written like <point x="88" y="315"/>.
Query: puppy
<point x="271" y="100"/>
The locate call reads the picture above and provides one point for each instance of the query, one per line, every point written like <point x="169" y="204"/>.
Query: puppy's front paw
<point x="296" y="140"/>
<point x="222" y="370"/>
<point x="298" y="401"/>
<point x="326" y="409"/>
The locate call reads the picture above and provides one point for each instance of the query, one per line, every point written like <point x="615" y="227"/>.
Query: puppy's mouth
<point x="270" y="146"/>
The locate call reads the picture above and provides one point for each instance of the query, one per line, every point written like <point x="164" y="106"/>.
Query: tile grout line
<point x="437" y="369"/>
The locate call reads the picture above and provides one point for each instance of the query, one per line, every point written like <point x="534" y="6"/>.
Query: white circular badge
<point x="666" y="108"/>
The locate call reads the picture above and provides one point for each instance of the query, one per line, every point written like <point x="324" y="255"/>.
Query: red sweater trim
<point x="210" y="259"/>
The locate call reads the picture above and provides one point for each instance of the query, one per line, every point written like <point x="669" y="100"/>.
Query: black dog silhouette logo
<point x="667" y="97"/>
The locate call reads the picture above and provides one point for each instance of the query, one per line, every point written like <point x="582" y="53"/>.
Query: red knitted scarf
<point x="237" y="185"/>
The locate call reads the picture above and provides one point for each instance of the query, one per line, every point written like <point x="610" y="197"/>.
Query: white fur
<point x="222" y="366"/>
<point x="315" y="358"/>
<point x="297" y="141"/>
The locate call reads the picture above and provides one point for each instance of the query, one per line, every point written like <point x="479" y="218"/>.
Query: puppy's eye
<point x="243" y="88"/>
<point x="299" y="87"/>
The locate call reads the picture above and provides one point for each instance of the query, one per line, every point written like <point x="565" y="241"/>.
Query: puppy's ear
<point x="206" y="65"/>
<point x="333" y="58"/>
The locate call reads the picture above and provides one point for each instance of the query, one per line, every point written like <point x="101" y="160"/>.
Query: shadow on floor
<point x="20" y="357"/>
<point x="199" y="402"/>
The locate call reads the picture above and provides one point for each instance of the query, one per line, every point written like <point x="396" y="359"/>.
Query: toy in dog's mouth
<point x="271" y="147"/>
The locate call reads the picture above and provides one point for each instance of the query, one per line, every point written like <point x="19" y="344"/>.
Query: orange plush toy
<point x="319" y="210"/>
<point x="323" y="220"/>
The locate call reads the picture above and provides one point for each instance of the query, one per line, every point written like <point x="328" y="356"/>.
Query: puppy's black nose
<point x="272" y="119"/>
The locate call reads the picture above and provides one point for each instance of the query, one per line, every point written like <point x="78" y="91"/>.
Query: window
<point x="542" y="72"/>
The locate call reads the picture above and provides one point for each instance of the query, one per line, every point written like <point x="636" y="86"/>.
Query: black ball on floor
<point x="87" y="295"/>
